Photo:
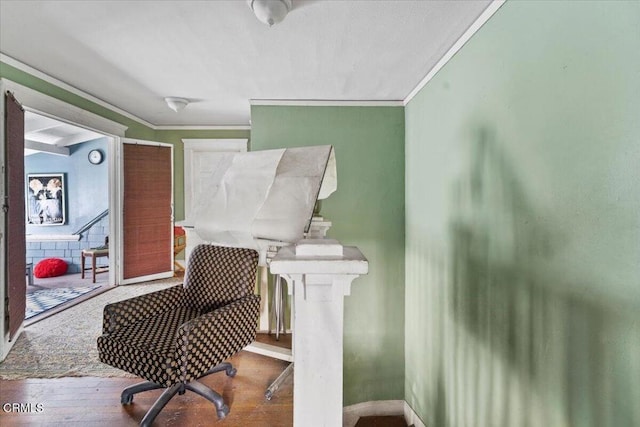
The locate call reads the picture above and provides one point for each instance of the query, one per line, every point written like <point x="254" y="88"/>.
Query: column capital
<point x="319" y="256"/>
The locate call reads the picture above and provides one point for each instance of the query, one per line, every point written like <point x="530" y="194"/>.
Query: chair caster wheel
<point x="223" y="412"/>
<point x="126" y="398"/>
<point x="232" y="372"/>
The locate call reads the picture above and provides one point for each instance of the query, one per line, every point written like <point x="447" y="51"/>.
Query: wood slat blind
<point x="147" y="210"/>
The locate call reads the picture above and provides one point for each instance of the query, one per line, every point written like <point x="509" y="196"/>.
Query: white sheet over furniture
<point x="265" y="196"/>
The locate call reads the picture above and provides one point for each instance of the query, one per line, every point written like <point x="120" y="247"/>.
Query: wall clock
<point x="95" y="157"/>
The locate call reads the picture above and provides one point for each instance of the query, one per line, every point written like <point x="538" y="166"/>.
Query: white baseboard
<point x="351" y="414"/>
<point x="411" y="417"/>
<point x="270" y="350"/>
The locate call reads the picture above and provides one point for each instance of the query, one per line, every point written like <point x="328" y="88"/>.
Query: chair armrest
<point x="126" y="312"/>
<point x="209" y="339"/>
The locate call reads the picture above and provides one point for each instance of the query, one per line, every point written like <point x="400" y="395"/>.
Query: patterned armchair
<point x="174" y="336"/>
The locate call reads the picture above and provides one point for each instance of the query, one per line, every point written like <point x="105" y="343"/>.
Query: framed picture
<point x="46" y="199"/>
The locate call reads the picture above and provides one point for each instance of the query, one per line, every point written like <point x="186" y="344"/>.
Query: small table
<point x="29" y="273"/>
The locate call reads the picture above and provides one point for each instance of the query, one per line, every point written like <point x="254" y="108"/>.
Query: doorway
<point x="12" y="288"/>
<point x="74" y="158"/>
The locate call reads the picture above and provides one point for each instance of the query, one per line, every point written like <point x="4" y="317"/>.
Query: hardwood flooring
<point x="95" y="402"/>
<point x="90" y="401"/>
<point x="382" y="421"/>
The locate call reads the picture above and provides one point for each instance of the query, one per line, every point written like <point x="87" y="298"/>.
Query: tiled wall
<point x="70" y="251"/>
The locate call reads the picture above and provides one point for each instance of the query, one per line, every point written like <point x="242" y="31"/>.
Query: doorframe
<point x="45" y="105"/>
<point x="192" y="147"/>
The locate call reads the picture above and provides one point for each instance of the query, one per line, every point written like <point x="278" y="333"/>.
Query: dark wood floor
<point x="382" y="421"/>
<point x="90" y="401"/>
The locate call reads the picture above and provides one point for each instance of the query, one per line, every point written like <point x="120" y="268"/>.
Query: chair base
<point x="221" y="408"/>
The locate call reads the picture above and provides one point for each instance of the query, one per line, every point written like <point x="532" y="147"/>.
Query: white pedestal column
<point x="319" y="275"/>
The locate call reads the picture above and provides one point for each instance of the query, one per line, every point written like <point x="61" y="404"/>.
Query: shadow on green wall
<point x="527" y="346"/>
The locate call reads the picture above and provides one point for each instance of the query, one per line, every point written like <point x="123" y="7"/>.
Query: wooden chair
<point x="179" y="243"/>
<point x="94" y="253"/>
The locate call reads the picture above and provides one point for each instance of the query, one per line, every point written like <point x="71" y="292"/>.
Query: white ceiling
<point x="132" y="54"/>
<point x="44" y="134"/>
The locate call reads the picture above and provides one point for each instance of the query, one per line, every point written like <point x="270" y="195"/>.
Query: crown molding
<point x="41" y="103"/>
<point x="59" y="83"/>
<point x="325" y="103"/>
<point x="62" y="85"/>
<point x="210" y="127"/>
<point x="473" y="28"/>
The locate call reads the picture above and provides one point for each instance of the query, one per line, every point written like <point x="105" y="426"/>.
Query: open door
<point x="14" y="209"/>
<point x="147" y="214"/>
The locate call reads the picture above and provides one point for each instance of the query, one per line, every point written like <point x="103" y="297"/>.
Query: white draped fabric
<point x="265" y="195"/>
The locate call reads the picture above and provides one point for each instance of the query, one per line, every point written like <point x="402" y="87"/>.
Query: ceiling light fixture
<point x="270" y="11"/>
<point x="176" y="104"/>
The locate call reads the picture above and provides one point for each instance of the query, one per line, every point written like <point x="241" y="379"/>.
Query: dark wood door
<point x="14" y="207"/>
<point x="147" y="211"/>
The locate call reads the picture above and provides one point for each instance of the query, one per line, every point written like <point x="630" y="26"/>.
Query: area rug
<point x="45" y="299"/>
<point x="64" y="345"/>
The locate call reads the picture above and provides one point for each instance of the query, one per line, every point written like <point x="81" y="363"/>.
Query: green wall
<point x="523" y="223"/>
<point x="367" y="211"/>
